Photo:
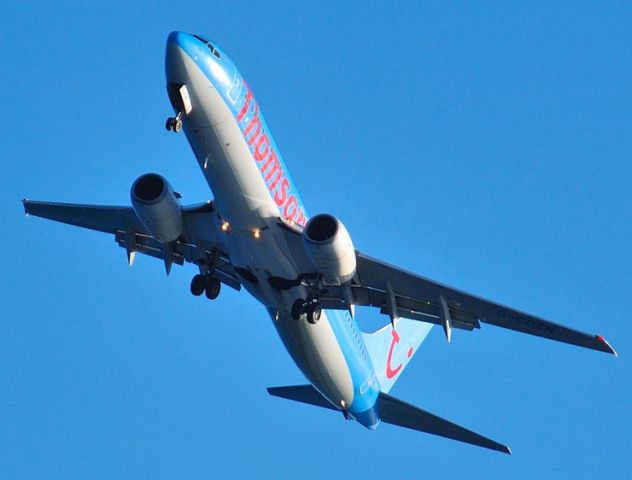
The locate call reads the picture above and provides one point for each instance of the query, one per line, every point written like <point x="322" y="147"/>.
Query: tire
<point x="169" y="124"/>
<point x="177" y="125"/>
<point x="213" y="287"/>
<point x="297" y="309"/>
<point x="313" y="313"/>
<point x="198" y="285"/>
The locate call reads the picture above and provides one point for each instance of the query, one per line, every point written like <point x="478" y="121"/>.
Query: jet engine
<point x="329" y="247"/>
<point x="158" y="207"/>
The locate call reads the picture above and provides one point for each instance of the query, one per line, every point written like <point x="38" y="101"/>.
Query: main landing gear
<point x="207" y="284"/>
<point x="309" y="307"/>
<point x="174" y="124"/>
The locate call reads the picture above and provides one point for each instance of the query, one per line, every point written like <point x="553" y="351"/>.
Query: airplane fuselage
<point x="253" y="191"/>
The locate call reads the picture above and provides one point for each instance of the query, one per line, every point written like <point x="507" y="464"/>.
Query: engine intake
<point x="328" y="245"/>
<point x="158" y="207"/>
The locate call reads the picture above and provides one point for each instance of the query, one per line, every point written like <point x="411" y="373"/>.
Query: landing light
<point x="256" y="233"/>
<point x="225" y="227"/>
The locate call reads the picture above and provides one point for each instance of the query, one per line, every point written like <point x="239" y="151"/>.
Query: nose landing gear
<point x="207" y="284"/>
<point x="174" y="123"/>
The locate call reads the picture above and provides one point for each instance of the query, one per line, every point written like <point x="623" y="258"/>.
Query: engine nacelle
<point x="329" y="247"/>
<point x="157" y="206"/>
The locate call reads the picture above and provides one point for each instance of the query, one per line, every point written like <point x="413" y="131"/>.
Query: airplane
<point x="256" y="234"/>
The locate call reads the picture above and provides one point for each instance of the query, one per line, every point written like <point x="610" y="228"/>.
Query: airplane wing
<point x="199" y="245"/>
<point x="399" y="293"/>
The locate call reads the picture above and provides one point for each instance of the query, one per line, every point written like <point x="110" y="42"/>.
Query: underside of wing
<point x="402" y="294"/>
<point x="199" y="243"/>
<point x="103" y="218"/>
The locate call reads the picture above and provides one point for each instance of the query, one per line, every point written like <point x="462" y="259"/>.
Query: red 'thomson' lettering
<point x="268" y="161"/>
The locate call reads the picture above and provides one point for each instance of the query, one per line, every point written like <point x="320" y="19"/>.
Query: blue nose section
<point x="173" y="37"/>
<point x="180" y="46"/>
<point x="179" y="38"/>
<point x="185" y="41"/>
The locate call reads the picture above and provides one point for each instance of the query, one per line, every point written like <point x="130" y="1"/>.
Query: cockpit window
<point x="201" y="38"/>
<point x="213" y="50"/>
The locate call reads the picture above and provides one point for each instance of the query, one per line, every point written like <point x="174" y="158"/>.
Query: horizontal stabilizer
<point x="303" y="394"/>
<point x="400" y="413"/>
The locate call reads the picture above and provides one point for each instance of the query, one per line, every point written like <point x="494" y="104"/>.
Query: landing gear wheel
<point x="174" y="124"/>
<point x="298" y="308"/>
<point x="198" y="285"/>
<point x="313" y="313"/>
<point x="213" y="287"/>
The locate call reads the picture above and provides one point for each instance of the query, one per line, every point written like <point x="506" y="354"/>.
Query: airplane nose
<point x="178" y="38"/>
<point x="179" y="44"/>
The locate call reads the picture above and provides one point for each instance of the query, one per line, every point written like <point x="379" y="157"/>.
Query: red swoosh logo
<point x="390" y="372"/>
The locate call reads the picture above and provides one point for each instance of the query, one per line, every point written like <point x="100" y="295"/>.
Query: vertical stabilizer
<point x="391" y="348"/>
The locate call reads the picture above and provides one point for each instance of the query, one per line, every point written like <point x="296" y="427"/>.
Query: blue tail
<point x="391" y="349"/>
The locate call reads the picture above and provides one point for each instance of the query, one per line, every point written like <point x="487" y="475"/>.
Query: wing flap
<point x="182" y="252"/>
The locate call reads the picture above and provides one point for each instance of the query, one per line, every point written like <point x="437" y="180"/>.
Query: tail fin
<point x="391" y="348"/>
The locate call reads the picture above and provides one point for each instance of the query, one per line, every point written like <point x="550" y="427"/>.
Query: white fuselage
<point x="244" y="199"/>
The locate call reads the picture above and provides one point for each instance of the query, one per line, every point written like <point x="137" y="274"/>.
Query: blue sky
<point x="486" y="146"/>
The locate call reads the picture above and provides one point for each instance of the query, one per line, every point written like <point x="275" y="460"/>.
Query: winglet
<point x="608" y="348"/>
